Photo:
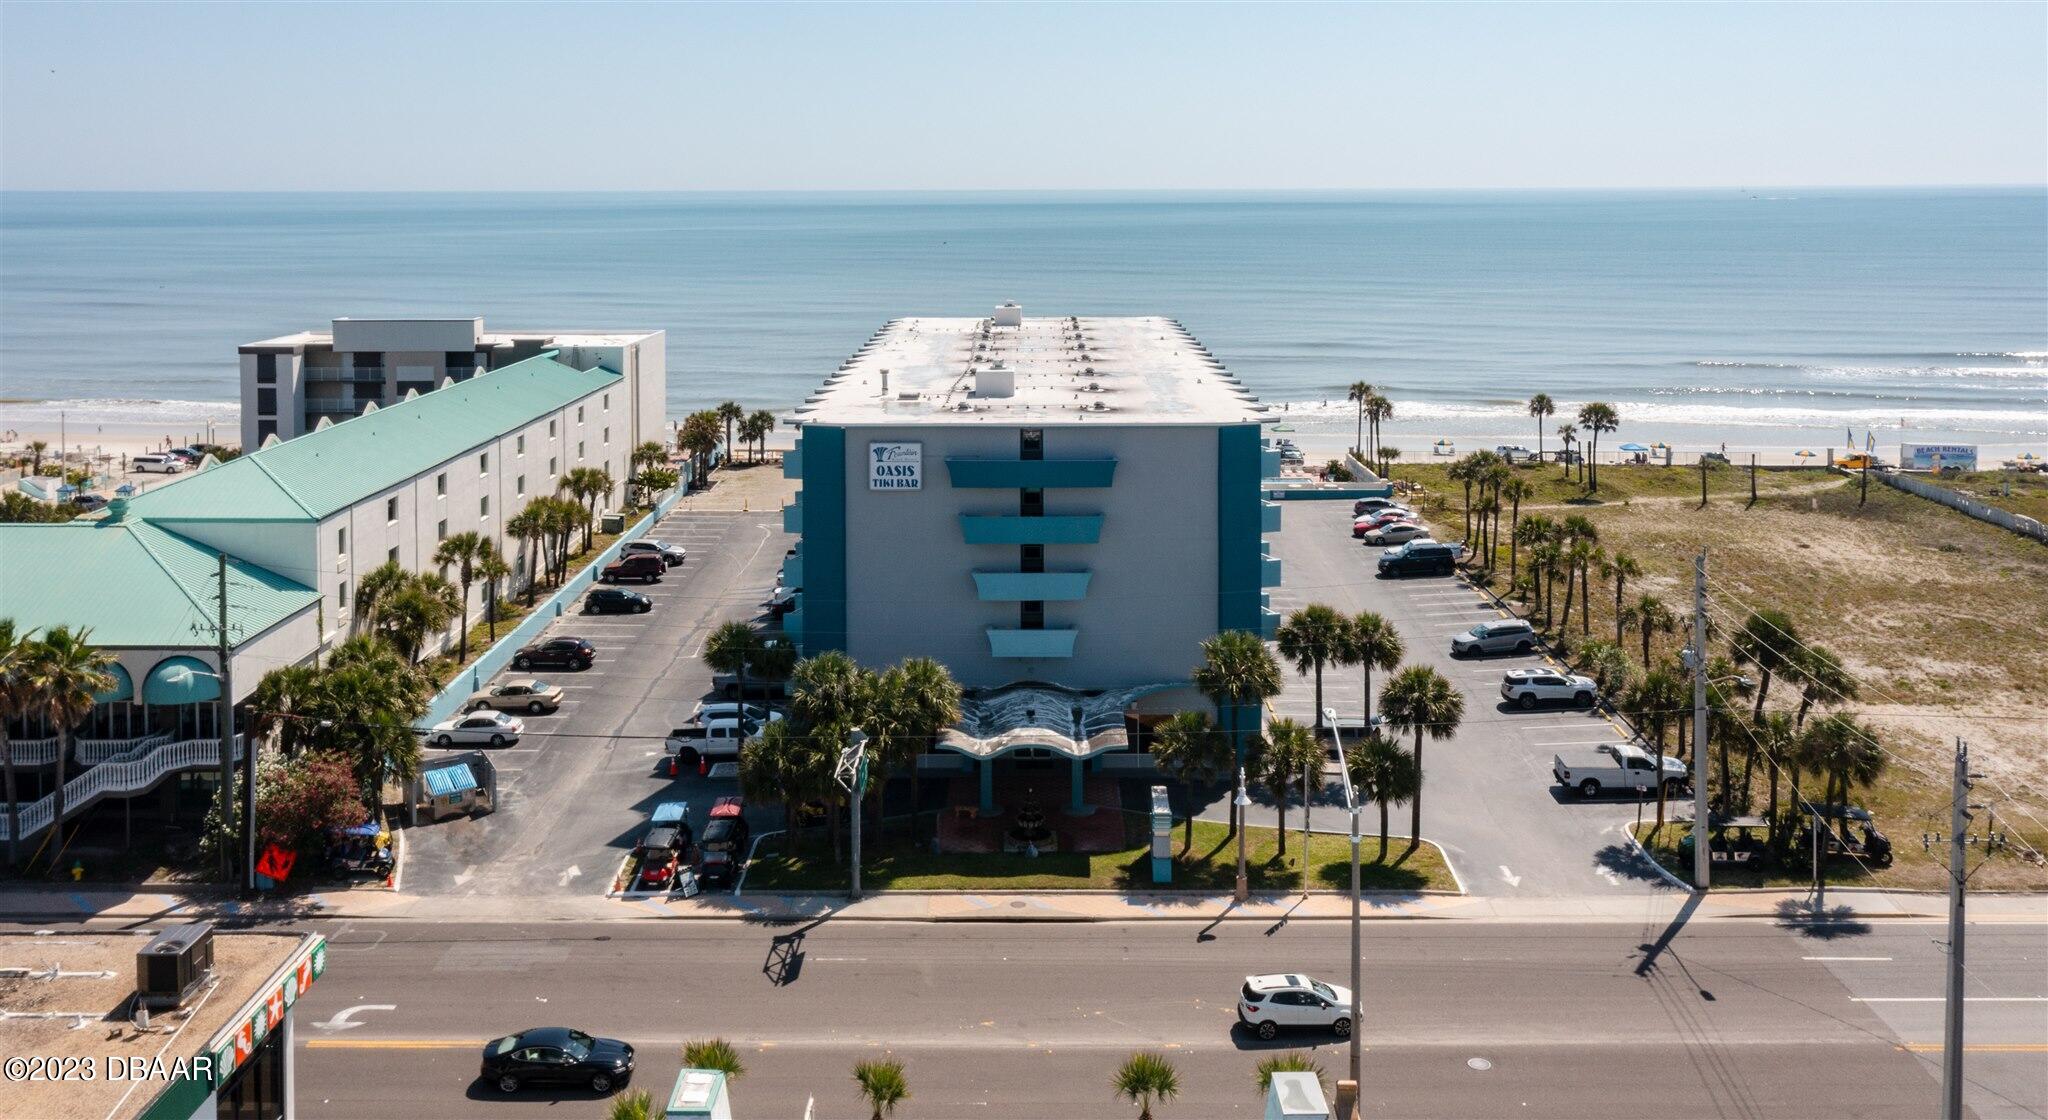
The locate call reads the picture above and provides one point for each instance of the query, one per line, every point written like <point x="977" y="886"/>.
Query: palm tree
<point x="714" y="1054"/>
<point x="1359" y="393"/>
<point x="1237" y="671"/>
<point x="461" y="551"/>
<point x="1384" y="773"/>
<point x="1569" y="434"/>
<point x="1292" y="756"/>
<point x="1377" y="408"/>
<point x="1823" y="678"/>
<point x="1465" y="470"/>
<point x="280" y="703"/>
<point x="1187" y="747"/>
<point x="731" y="649"/>
<point x="1387" y="457"/>
<point x="529" y="528"/>
<point x="1372" y="643"/>
<point x="64" y="675"/>
<point x="788" y="766"/>
<point x="490" y="567"/>
<point x="424" y="606"/>
<point x="1541" y="407"/>
<point x="763" y="422"/>
<point x="1294" y="1061"/>
<point x="881" y="1084"/>
<point x="730" y="413"/>
<point x="36" y="447"/>
<point x="588" y="484"/>
<point x="1514" y="491"/>
<point x="1656" y="701"/>
<point x="1621" y="567"/>
<point x="377" y="585"/>
<point x="1312" y="637"/>
<point x="1546" y="558"/>
<point x="1146" y="1077"/>
<point x="1777" y="738"/>
<point x="1597" y="417"/>
<point x="1420" y="700"/>
<point x="1769" y="642"/>
<point x="698" y="438"/>
<point x="910" y="704"/>
<point x="1651" y="616"/>
<point x="15" y="649"/>
<point x="1845" y="752"/>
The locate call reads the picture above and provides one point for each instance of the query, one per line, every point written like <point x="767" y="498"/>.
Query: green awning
<point x="124" y="687"/>
<point x="180" y="680"/>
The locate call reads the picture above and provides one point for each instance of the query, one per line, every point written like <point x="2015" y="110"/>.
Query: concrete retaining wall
<point x="2004" y="519"/>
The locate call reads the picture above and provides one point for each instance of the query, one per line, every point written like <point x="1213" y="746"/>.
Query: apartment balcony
<point x="346" y="375"/>
<point x="1004" y="529"/>
<point x="1269" y="571"/>
<point x="793" y="625"/>
<point x="793" y="570"/>
<point x="1019" y="587"/>
<point x="793" y="461"/>
<point x="1269" y="462"/>
<point x="1269" y="624"/>
<point x="1031" y="644"/>
<point x="1029" y="474"/>
<point x="793" y="516"/>
<point x="1269" y="517"/>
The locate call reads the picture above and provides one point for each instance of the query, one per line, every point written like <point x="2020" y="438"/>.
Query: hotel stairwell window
<point x="266" y="370"/>
<point x="264" y="430"/>
<point x="441" y="485"/>
<point x="1031" y="444"/>
<point x="579" y="450"/>
<point x="341" y="597"/>
<point x="483" y="463"/>
<point x="441" y="531"/>
<point x="551" y="466"/>
<point x="579" y="414"/>
<point x="551" y="429"/>
<point x="392" y="556"/>
<point x="607" y="402"/>
<point x="1031" y="503"/>
<point x="390" y="510"/>
<point x="341" y="542"/>
<point x="519" y="486"/>
<point x="266" y="401"/>
<point x="483" y="507"/>
<point x="607" y="437"/>
<point x="519" y="446"/>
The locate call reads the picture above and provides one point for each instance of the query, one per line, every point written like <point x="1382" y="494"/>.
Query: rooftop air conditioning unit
<point x="174" y="965"/>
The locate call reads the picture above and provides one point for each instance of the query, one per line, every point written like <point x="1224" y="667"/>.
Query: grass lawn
<point x="2029" y="490"/>
<point x="1210" y="865"/>
<point x="1913" y="867"/>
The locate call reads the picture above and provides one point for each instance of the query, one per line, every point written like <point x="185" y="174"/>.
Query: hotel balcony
<point x="1029" y="474"/>
<point x="1031" y="643"/>
<point x="793" y="516"/>
<point x="793" y="461"/>
<point x="1269" y="517"/>
<point x="1269" y="571"/>
<point x="1269" y="624"/>
<point x="1002" y="529"/>
<point x="1269" y="462"/>
<point x="793" y="624"/>
<point x="793" y="570"/>
<point x="1019" y="587"/>
<point x="373" y="375"/>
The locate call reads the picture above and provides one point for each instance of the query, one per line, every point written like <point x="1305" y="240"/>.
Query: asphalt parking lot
<point x="576" y="790"/>
<point x="1489" y="798"/>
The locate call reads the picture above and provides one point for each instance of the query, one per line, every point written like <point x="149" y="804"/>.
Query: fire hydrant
<point x="77" y="870"/>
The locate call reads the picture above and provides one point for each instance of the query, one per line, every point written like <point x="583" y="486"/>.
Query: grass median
<point x="1209" y="864"/>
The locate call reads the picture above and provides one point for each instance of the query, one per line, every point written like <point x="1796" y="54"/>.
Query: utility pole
<point x="1347" y="1090"/>
<point x="852" y="776"/>
<point x="1952" y="1020"/>
<point x="1752" y="478"/>
<point x="1702" y="860"/>
<point x="1703" y="482"/>
<point x="227" y="740"/>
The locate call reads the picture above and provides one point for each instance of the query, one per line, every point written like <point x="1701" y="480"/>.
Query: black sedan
<point x="616" y="600"/>
<point x="556" y="653"/>
<point x="557" y="1056"/>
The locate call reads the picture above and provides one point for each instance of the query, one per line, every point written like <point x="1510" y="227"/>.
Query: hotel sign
<point x="895" y="466"/>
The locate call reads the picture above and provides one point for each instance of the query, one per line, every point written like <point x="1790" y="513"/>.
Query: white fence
<point x="144" y="767"/>
<point x="2004" y="519"/>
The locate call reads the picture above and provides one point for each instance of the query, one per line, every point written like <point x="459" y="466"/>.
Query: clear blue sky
<point x="646" y="97"/>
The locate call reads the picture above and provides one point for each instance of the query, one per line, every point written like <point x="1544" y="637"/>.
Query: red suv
<point x="644" y="566"/>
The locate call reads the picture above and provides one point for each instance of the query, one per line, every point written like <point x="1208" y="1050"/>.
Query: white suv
<point x="1530" y="687"/>
<point x="1269" y="1003"/>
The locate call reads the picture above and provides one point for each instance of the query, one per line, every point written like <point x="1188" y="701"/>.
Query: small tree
<point x="1384" y="773"/>
<point x="1292" y="756"/>
<point x="1187" y="747"/>
<point x="730" y="413"/>
<point x="1294" y="1061"/>
<point x="763" y="422"/>
<point x="298" y="800"/>
<point x="714" y="1054"/>
<point x="1313" y="637"/>
<point x="882" y="1085"/>
<point x="1372" y="642"/>
<point x="460" y="552"/>
<point x="1423" y="702"/>
<point x="1146" y="1077"/>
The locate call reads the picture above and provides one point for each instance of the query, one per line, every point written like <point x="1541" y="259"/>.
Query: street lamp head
<point x="856" y="737"/>
<point x="1243" y="799"/>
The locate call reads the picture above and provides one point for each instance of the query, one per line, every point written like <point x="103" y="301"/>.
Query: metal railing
<point x="137" y="770"/>
<point x="374" y="374"/>
<point x="33" y="752"/>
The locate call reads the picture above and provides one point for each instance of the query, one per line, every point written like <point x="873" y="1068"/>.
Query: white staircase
<point x="137" y="767"/>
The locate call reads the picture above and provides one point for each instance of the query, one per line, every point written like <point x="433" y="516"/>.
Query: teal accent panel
<point x="1031" y="643"/>
<point x="1000" y="529"/>
<point x="1269" y="517"/>
<point x="793" y="571"/>
<point x="182" y="1099"/>
<point x="793" y="626"/>
<point x="824" y="546"/>
<point x="1269" y="462"/>
<point x="1269" y="571"/>
<point x="1017" y="587"/>
<point x="124" y="686"/>
<point x="793" y="516"/>
<point x="1238" y="521"/>
<point x="793" y="460"/>
<point x="180" y="680"/>
<point x="1038" y="474"/>
<point x="1269" y="624"/>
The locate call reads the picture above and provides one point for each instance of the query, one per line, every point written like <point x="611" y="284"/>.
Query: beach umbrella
<point x="1803" y="454"/>
<point x="1633" y="447"/>
<point x="125" y="489"/>
<point x="2028" y="457"/>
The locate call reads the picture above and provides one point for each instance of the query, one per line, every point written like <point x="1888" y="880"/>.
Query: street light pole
<point x="852" y="776"/>
<point x="1702" y="864"/>
<point x="1357" y="951"/>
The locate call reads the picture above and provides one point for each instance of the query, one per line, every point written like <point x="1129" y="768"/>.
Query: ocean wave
<point x="82" y="411"/>
<point x="1514" y="415"/>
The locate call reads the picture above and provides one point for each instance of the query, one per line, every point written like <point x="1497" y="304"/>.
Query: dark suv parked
<point x="641" y="566"/>
<point x="556" y="653"/>
<point x="1419" y="558"/>
<point x="616" y="600"/>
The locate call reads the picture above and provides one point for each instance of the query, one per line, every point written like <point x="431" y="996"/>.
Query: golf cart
<point x="1847" y="830"/>
<point x="1732" y="842"/>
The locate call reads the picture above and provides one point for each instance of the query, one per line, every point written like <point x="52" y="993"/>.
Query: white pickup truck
<point x="1612" y="767"/>
<point x="714" y="739"/>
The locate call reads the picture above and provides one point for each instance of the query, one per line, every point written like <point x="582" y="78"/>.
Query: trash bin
<point x="611" y="522"/>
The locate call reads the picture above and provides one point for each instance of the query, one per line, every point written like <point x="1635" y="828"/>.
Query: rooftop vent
<point x="995" y="380"/>
<point x="174" y="965"/>
<point x="1008" y="315"/>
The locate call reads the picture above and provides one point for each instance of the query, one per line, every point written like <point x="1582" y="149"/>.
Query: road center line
<point x="1845" y="958"/>
<point x="1940" y="999"/>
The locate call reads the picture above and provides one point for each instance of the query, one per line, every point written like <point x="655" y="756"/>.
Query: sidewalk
<point x="54" y="904"/>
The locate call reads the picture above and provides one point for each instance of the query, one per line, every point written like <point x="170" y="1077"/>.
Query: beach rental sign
<point x="895" y="466"/>
<point x="1944" y="456"/>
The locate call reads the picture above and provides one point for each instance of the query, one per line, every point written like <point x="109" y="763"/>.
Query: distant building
<point x="292" y="383"/>
<point x="1060" y="510"/>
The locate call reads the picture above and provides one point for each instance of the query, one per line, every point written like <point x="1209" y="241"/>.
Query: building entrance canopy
<point x="1073" y="722"/>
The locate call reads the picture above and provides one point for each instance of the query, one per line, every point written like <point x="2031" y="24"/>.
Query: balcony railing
<point x="1007" y="529"/>
<point x="1018" y="587"/>
<point x="346" y="374"/>
<point x="1031" y="643"/>
<point x="133" y="772"/>
<point x="1034" y="474"/>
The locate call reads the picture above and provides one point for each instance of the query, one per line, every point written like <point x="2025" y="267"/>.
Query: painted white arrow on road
<point x="572" y="873"/>
<point x="1509" y="877"/>
<point x="468" y="873"/>
<point x="342" y="1019"/>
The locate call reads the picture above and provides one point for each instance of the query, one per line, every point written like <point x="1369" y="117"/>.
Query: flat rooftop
<point x="299" y="340"/>
<point x="87" y="1001"/>
<point x="1068" y="370"/>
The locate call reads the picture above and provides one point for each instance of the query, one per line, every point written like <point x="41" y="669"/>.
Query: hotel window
<point x="551" y="429"/>
<point x="520" y="486"/>
<point x="1031" y="615"/>
<point x="1031" y="503"/>
<point x="483" y="463"/>
<point x="441" y="485"/>
<point x="519" y="446"/>
<point x="607" y="402"/>
<point x="390" y="510"/>
<point x="579" y="414"/>
<point x="1033" y="558"/>
<point x="266" y="401"/>
<point x="551" y="466"/>
<point x="341" y="599"/>
<point x="264" y="430"/>
<point x="579" y="449"/>
<point x="341" y="541"/>
<point x="266" y="369"/>
<point x="441" y="531"/>
<point x="1031" y="444"/>
<point x="392" y="556"/>
<point x="607" y="437"/>
<point x="483" y="506"/>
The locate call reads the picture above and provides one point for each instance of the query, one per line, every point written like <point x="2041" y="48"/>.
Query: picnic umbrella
<point x="1803" y="453"/>
<point x="1633" y="447"/>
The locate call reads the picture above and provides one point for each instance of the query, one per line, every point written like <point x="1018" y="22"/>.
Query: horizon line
<point x="2040" y="185"/>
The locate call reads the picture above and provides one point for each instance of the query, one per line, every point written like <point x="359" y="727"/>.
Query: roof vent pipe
<point x="995" y="380"/>
<point x="885" y="382"/>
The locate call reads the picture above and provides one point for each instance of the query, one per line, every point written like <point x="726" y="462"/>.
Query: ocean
<point x="1756" y="319"/>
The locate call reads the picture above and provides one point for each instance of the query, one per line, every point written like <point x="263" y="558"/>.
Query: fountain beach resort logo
<point x="895" y="466"/>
